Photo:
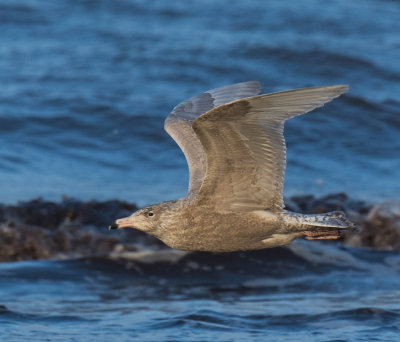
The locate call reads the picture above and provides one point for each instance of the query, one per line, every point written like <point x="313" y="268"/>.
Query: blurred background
<point x="86" y="86"/>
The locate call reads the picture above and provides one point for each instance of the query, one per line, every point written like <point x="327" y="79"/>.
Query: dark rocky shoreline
<point x="40" y="229"/>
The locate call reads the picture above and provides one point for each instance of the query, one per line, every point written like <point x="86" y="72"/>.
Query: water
<point x="85" y="87"/>
<point x="310" y="292"/>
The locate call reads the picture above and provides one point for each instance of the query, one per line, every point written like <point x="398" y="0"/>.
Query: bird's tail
<point x="325" y="226"/>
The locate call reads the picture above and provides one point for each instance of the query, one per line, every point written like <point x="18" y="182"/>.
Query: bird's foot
<point x="331" y="234"/>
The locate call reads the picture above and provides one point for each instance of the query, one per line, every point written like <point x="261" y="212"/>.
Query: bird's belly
<point x="228" y="232"/>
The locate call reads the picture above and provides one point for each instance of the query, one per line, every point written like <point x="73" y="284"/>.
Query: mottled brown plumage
<point x="234" y="145"/>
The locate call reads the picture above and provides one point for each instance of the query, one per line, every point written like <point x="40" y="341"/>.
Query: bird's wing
<point x="179" y="125"/>
<point x="245" y="148"/>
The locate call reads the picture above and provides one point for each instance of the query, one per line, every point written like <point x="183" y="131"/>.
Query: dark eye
<point x="150" y="213"/>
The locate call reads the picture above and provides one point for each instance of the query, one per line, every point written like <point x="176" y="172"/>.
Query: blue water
<point x="84" y="89"/>
<point x="308" y="292"/>
<point x="86" y="86"/>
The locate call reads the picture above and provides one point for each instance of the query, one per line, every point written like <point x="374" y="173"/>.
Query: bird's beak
<point x="121" y="223"/>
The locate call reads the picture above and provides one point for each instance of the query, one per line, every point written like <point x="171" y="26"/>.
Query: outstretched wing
<point x="245" y="147"/>
<point x="179" y="125"/>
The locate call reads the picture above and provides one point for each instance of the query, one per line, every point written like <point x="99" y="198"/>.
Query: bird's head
<point x="152" y="219"/>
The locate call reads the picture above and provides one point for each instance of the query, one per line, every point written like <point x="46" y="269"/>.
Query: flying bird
<point x="233" y="142"/>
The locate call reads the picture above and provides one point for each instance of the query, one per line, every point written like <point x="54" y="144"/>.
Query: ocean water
<point x="307" y="292"/>
<point x="84" y="88"/>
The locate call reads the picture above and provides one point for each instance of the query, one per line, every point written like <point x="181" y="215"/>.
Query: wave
<point x="322" y="62"/>
<point x="214" y="320"/>
<point x="15" y="317"/>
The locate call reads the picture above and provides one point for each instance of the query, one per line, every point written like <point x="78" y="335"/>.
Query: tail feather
<point x="323" y="226"/>
<point x="334" y="219"/>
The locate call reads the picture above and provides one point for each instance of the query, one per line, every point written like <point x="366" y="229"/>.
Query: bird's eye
<point x="150" y="213"/>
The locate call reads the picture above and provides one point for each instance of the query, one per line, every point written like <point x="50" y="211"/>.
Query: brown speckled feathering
<point x="234" y="145"/>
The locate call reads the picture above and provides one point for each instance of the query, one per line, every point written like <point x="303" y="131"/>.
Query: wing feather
<point x="245" y="147"/>
<point x="179" y="125"/>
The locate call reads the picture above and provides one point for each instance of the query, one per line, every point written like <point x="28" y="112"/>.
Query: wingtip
<point x="257" y="84"/>
<point x="254" y="84"/>
<point x="344" y="87"/>
<point x="332" y="91"/>
<point x="340" y="88"/>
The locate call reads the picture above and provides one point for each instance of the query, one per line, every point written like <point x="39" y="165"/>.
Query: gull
<point x="233" y="142"/>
